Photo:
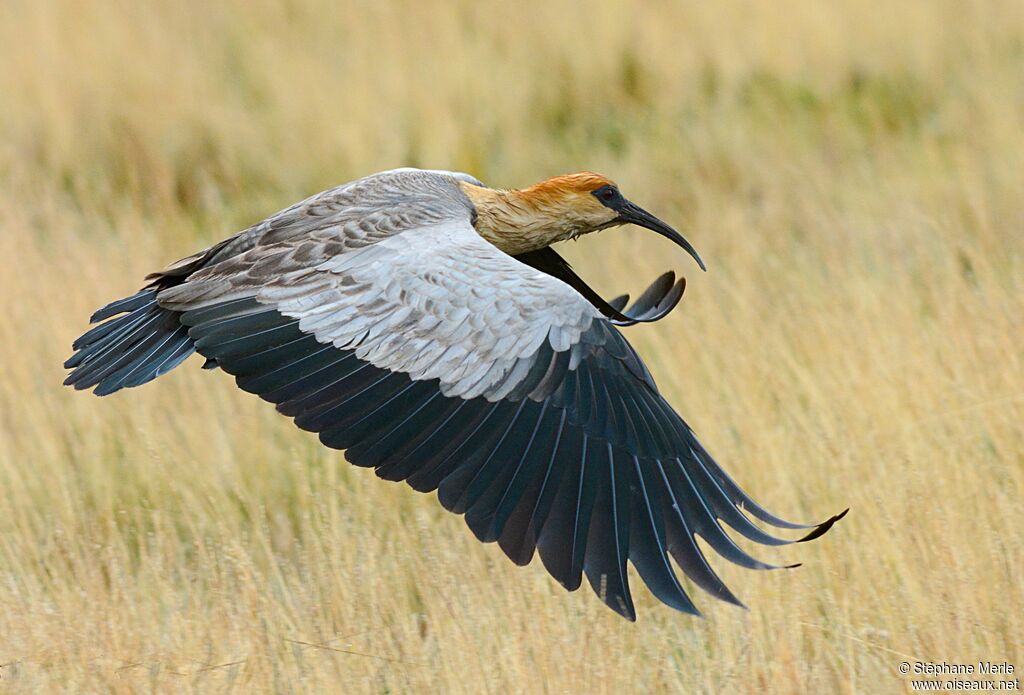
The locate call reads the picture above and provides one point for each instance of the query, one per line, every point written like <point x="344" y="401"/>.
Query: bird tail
<point x="137" y="341"/>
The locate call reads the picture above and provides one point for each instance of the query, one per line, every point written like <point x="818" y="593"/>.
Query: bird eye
<point x="608" y="195"/>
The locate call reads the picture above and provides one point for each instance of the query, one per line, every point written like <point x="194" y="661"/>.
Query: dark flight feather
<point x="583" y="462"/>
<point x="598" y="471"/>
<point x="137" y="342"/>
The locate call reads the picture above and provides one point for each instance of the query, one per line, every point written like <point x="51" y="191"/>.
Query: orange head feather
<point x="560" y="208"/>
<point x="566" y="185"/>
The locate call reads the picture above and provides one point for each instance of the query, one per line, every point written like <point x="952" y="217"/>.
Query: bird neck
<point x="517" y="221"/>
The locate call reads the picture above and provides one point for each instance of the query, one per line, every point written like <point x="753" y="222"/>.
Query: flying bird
<point x="421" y="322"/>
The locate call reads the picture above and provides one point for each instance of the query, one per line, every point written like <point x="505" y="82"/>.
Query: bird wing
<point x="656" y="302"/>
<point x="433" y="357"/>
<point x="354" y="214"/>
<point x="137" y="340"/>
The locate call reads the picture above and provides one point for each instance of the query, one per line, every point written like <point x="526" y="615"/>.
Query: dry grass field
<point x="852" y="172"/>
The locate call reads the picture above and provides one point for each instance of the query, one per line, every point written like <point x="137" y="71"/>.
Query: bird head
<point x="561" y="208"/>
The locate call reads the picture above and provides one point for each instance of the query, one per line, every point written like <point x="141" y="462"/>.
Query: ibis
<point x="422" y="322"/>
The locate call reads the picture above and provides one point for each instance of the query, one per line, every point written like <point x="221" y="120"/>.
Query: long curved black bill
<point x="634" y="214"/>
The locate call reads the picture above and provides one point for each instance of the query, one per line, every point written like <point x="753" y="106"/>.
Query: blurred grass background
<point x="852" y="172"/>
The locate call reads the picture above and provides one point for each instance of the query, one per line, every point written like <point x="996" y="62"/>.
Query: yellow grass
<point x="852" y="172"/>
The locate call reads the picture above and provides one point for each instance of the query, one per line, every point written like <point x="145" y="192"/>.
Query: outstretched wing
<point x="434" y="358"/>
<point x="137" y="340"/>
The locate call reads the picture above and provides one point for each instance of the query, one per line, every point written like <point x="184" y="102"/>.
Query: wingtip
<point x="823" y="528"/>
<point x="728" y="597"/>
<point x="618" y="606"/>
<point x="105" y="388"/>
<point x="621" y="604"/>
